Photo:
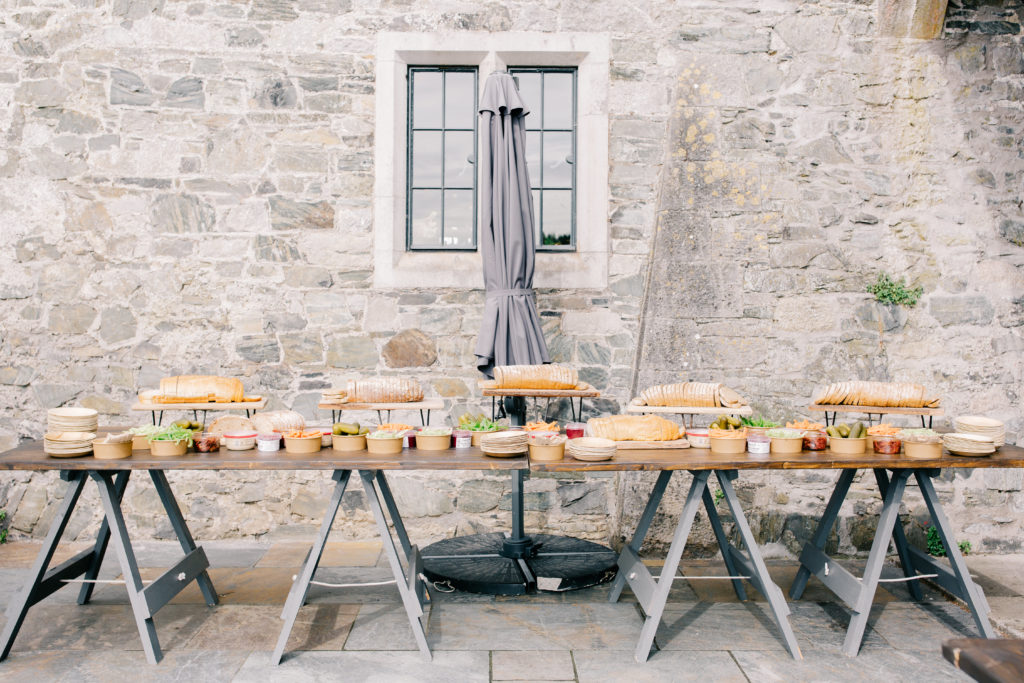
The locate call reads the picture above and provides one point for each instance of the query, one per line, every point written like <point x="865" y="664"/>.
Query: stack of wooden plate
<point x="982" y="426"/>
<point x="591" y="448"/>
<point x="504" y="444"/>
<point x="968" y="444"/>
<point x="68" y="444"/>
<point x="71" y="420"/>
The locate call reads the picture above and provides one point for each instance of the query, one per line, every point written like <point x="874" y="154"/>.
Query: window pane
<point x="557" y="100"/>
<point x="557" y="220"/>
<point x="458" y="147"/>
<point x="426" y="218"/>
<point x="458" y="218"/>
<point x="426" y="159"/>
<point x="426" y="95"/>
<point x="533" y="157"/>
<point x="460" y="101"/>
<point x="557" y="171"/>
<point x="529" y="90"/>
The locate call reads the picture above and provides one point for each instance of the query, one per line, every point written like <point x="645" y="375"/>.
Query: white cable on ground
<point x="710" y="578"/>
<point x="908" y="578"/>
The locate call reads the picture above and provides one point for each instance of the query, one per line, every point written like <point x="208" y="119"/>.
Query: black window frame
<point x="537" y="183"/>
<point x="410" y="95"/>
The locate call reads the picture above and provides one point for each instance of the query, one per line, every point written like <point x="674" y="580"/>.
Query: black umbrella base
<point x="556" y="563"/>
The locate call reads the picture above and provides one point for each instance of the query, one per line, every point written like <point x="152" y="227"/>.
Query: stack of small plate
<point x="71" y="420"/>
<point x="68" y="444"/>
<point x="591" y="448"/>
<point x="504" y="444"/>
<point x="968" y="444"/>
<point x="982" y="426"/>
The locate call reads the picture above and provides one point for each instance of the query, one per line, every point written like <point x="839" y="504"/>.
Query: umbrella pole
<point x="517" y="545"/>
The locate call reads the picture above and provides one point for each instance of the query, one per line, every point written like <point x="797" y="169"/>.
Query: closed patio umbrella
<point x="510" y="333"/>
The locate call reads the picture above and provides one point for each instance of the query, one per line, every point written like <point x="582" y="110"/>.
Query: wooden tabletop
<point x="704" y="459"/>
<point x="30" y="456"/>
<point x="690" y="410"/>
<point x="988" y="661"/>
<point x="211" y="406"/>
<point x="426" y="404"/>
<point x="874" y="410"/>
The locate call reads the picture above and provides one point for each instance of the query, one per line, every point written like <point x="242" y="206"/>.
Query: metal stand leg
<point x="188" y="545"/>
<point x="817" y="543"/>
<point x="876" y="558"/>
<point x="641" y="531"/>
<point x="130" y="569"/>
<point x="900" y="540"/>
<point x="958" y="581"/>
<point x="396" y="519"/>
<point x="299" y="590"/>
<point x="754" y="564"/>
<point x="41" y="582"/>
<point x="409" y="587"/>
<point x="653" y="595"/>
<point x="723" y="543"/>
<point x="102" y="538"/>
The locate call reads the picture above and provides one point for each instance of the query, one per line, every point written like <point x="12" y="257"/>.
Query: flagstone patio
<point x="362" y="633"/>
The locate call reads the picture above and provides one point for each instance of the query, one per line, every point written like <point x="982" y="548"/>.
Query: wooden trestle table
<point x="111" y="476"/>
<point x="891" y="473"/>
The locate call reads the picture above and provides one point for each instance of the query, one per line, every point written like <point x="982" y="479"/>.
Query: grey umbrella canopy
<point x="510" y="333"/>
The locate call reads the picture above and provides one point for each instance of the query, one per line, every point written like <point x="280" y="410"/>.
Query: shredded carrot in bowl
<point x="299" y="434"/>
<point x="394" y="427"/>
<point x="541" y="426"/>
<point x="884" y="429"/>
<point x="806" y="425"/>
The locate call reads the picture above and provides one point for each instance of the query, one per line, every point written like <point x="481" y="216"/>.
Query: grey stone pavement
<point x="362" y="634"/>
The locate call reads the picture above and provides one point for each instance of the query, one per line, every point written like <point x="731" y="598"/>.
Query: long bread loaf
<point x="199" y="389"/>
<point x="384" y="390"/>
<point x="535" y="377"/>
<point x="695" y="394"/>
<point x="881" y="394"/>
<point x="634" y="428"/>
<point x="277" y="421"/>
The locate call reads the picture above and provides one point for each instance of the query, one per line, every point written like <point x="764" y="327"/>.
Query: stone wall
<point x="186" y="187"/>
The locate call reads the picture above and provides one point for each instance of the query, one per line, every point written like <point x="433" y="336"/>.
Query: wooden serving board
<point x="873" y="410"/>
<point x="690" y="410"/>
<point x="582" y="390"/>
<point x="652" y="445"/>
<point x="211" y="406"/>
<point x="426" y="404"/>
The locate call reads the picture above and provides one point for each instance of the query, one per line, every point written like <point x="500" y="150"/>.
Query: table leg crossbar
<point x="145" y="600"/>
<point x="858" y="593"/>
<point x="652" y="593"/>
<point x="410" y="582"/>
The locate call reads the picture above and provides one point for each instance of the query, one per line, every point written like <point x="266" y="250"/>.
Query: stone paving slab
<point x="104" y="628"/>
<point x="909" y="626"/>
<point x="869" y="666"/>
<point x="1008" y="615"/>
<point x="668" y="667"/>
<point x="591" y="626"/>
<point x="383" y="627"/>
<point x="256" y="627"/>
<point x="22" y="554"/>
<point x="237" y="586"/>
<point x="336" y="554"/>
<point x="1000" y="576"/>
<point x="103" y="666"/>
<point x="393" y="667"/>
<point x="532" y="665"/>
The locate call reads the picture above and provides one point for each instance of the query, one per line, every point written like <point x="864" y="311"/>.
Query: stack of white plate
<point x="982" y="426"/>
<point x="591" y="448"/>
<point x="68" y="444"/>
<point x="71" y="420"/>
<point x="504" y="444"/>
<point x="968" y="444"/>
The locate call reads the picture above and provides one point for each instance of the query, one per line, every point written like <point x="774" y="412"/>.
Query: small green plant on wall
<point x="935" y="547"/>
<point x="3" y="532"/>
<point x="890" y="291"/>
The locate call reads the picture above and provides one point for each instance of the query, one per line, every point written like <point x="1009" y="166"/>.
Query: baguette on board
<point x="881" y="394"/>
<point x="195" y="389"/>
<point x="696" y="394"/>
<point x="634" y="428"/>
<point x="535" y="377"/>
